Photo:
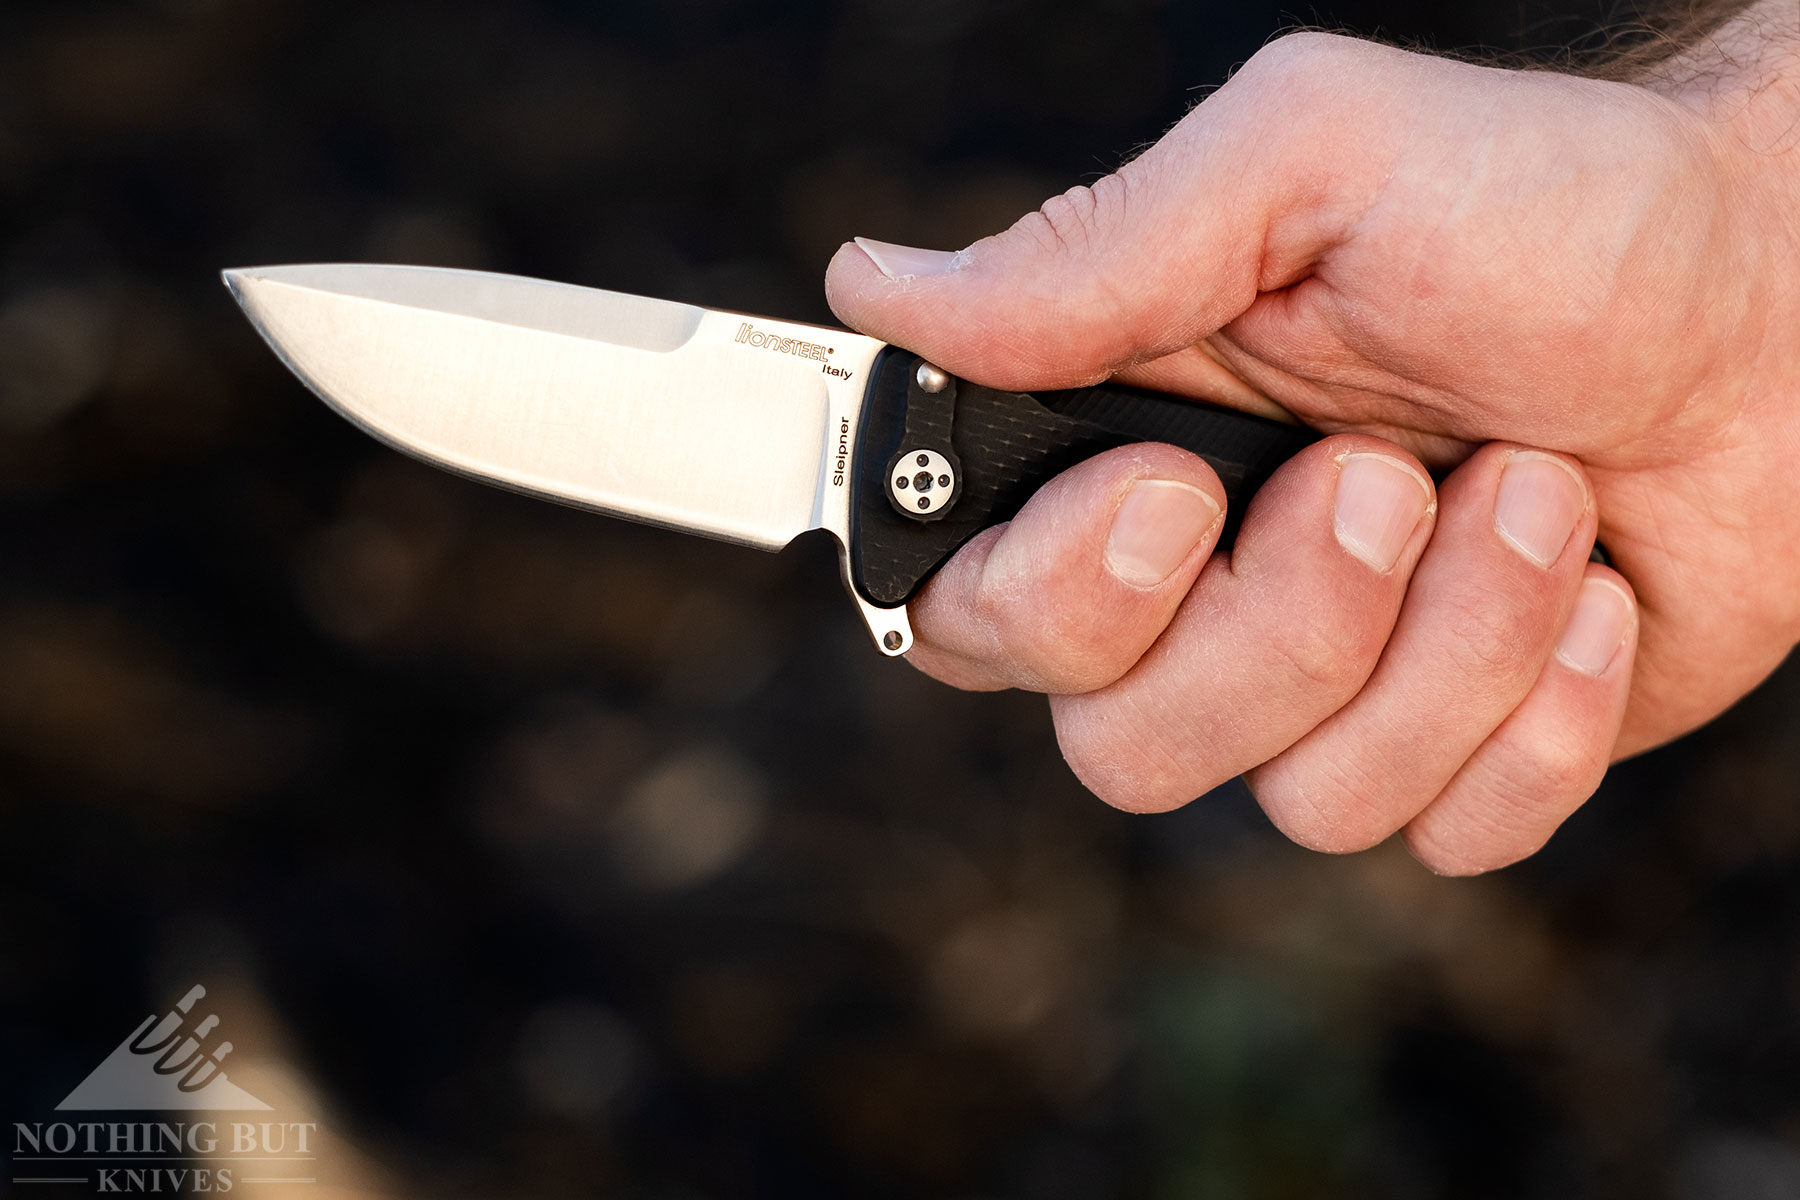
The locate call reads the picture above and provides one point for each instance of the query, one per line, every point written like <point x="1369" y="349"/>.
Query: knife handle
<point x="999" y="447"/>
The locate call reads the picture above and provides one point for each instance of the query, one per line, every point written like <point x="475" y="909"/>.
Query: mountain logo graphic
<point x="164" y="1064"/>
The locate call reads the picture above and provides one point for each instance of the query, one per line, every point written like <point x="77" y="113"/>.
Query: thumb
<point x="1243" y="196"/>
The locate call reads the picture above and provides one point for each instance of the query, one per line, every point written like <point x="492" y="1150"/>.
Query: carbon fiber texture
<point x="1010" y="444"/>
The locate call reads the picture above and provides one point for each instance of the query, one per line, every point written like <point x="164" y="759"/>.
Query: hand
<point x="1582" y="296"/>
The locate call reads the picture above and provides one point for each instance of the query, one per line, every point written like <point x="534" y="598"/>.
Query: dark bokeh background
<point x="562" y="857"/>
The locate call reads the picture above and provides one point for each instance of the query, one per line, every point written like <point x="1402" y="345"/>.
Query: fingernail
<point x="1597" y="628"/>
<point x="1380" y="501"/>
<point x="1156" y="528"/>
<point x="904" y="262"/>
<point x="1540" y="501"/>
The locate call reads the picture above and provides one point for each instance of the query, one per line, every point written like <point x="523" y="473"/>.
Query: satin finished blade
<point x="692" y="418"/>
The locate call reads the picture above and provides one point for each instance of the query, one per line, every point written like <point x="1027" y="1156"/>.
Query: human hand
<point x="1580" y="297"/>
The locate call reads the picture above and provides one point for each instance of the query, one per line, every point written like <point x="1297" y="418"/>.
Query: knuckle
<point x="1297" y="55"/>
<point x="1049" y="646"/>
<point x="1090" y="749"/>
<point x="1108" y="754"/>
<point x="1092" y="303"/>
<point x="1509" y="815"/>
<point x="1298" y="109"/>
<point x="1448" y="856"/>
<point x="1074" y="655"/>
<point x="1036" y="612"/>
<point x="1490" y="637"/>
<point x="991" y="607"/>
<point x="1072" y="220"/>
<point x="1472" y="842"/>
<point x="1318" y="812"/>
<point x="1566" y="770"/>
<point x="1334" y="656"/>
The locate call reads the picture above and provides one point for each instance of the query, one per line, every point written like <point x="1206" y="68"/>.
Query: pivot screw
<point x="928" y="488"/>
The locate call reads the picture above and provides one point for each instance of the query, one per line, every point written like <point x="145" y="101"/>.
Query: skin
<point x="1441" y="265"/>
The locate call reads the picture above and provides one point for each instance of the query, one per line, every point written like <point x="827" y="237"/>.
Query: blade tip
<point x="236" y="279"/>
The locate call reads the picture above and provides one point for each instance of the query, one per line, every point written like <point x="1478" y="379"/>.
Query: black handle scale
<point x="1010" y="444"/>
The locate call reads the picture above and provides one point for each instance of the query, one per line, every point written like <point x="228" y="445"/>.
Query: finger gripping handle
<point x="1009" y="444"/>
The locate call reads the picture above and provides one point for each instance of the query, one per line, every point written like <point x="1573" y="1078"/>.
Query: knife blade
<point x="738" y="427"/>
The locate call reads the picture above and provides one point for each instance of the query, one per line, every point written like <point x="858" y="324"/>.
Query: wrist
<point x="1742" y="79"/>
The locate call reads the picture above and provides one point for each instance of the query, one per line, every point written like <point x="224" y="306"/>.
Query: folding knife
<point x="717" y="423"/>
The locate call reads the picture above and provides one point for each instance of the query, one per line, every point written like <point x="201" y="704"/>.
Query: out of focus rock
<point x="93" y="698"/>
<point x="366" y="575"/>
<point x="55" y="347"/>
<point x="575" y="1059"/>
<point x="1738" y="1166"/>
<point x="731" y="1020"/>
<point x="689" y="818"/>
<point x="1000" y="972"/>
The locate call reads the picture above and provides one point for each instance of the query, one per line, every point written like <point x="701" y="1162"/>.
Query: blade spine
<point x="249" y="272"/>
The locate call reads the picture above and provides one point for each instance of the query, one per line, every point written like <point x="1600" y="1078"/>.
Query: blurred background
<point x="536" y="854"/>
